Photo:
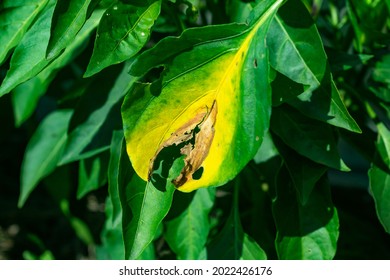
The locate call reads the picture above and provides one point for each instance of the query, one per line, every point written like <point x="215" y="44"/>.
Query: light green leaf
<point x="113" y="175"/>
<point x="380" y="179"/>
<point x="307" y="137"/>
<point x="208" y="74"/>
<point x="305" y="232"/>
<point x="112" y="247"/>
<point x="297" y="52"/>
<point x="25" y="96"/>
<point x="123" y="31"/>
<point x="267" y="150"/>
<point x="145" y="206"/>
<point x="16" y="17"/>
<point x="29" y="57"/>
<point x="43" y="151"/>
<point x="187" y="224"/>
<point x="96" y="114"/>
<point x="68" y="18"/>
<point x="251" y="250"/>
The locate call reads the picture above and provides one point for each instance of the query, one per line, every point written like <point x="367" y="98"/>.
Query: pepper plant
<point x="217" y="128"/>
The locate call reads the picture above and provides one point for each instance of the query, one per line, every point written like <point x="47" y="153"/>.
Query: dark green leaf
<point x="43" y="151"/>
<point x="284" y="89"/>
<point x="187" y="225"/>
<point x="92" y="174"/>
<point x="340" y="61"/>
<point x="297" y="52"/>
<point x="68" y="18"/>
<point x="15" y="18"/>
<point x="307" y="137"/>
<point x="380" y="179"/>
<point x="304" y="173"/>
<point x="232" y="243"/>
<point x="307" y="231"/>
<point x="122" y="32"/>
<point x="382" y="70"/>
<point x="325" y="104"/>
<point x="96" y="115"/>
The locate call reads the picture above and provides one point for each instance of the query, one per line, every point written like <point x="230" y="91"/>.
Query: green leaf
<point x="285" y="89"/>
<point x="123" y="31"/>
<point x="380" y="179"/>
<point x="187" y="224"/>
<point x="304" y="173"/>
<point x="29" y="57"/>
<point x="307" y="137"/>
<point x="113" y="175"/>
<point x="232" y="243"/>
<point x="15" y="18"/>
<point x="267" y="150"/>
<point x="297" y="52"/>
<point x="148" y="206"/>
<point x="96" y="115"/>
<point x="382" y="70"/>
<point x="92" y="174"/>
<point x="68" y="18"/>
<point x="25" y="96"/>
<point x="305" y="232"/>
<point x="251" y="250"/>
<point x="43" y="151"/>
<point x="210" y="74"/>
<point x="112" y="247"/>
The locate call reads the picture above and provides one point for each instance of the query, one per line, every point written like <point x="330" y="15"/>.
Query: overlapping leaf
<point x="68" y="18"/>
<point x="307" y="231"/>
<point x="15" y="18"/>
<point x="26" y="95"/>
<point x="123" y="31"/>
<point x="380" y="178"/>
<point x="187" y="229"/>
<point x="213" y="103"/>
<point x="297" y="52"/>
<point x="43" y="151"/>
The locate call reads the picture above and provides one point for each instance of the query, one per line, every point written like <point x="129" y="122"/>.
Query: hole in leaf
<point x="198" y="173"/>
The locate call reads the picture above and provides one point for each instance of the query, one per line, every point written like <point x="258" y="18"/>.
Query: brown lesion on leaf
<point x="194" y="139"/>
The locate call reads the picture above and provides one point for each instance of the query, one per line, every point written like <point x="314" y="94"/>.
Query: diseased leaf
<point x="187" y="224"/>
<point x="123" y="31"/>
<point x="16" y="17"/>
<point x="68" y="18"/>
<point x="307" y="137"/>
<point x="208" y="74"/>
<point x="307" y="231"/>
<point x="29" y="57"/>
<point x="43" y="151"/>
<point x="297" y="52"/>
<point x="380" y="178"/>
